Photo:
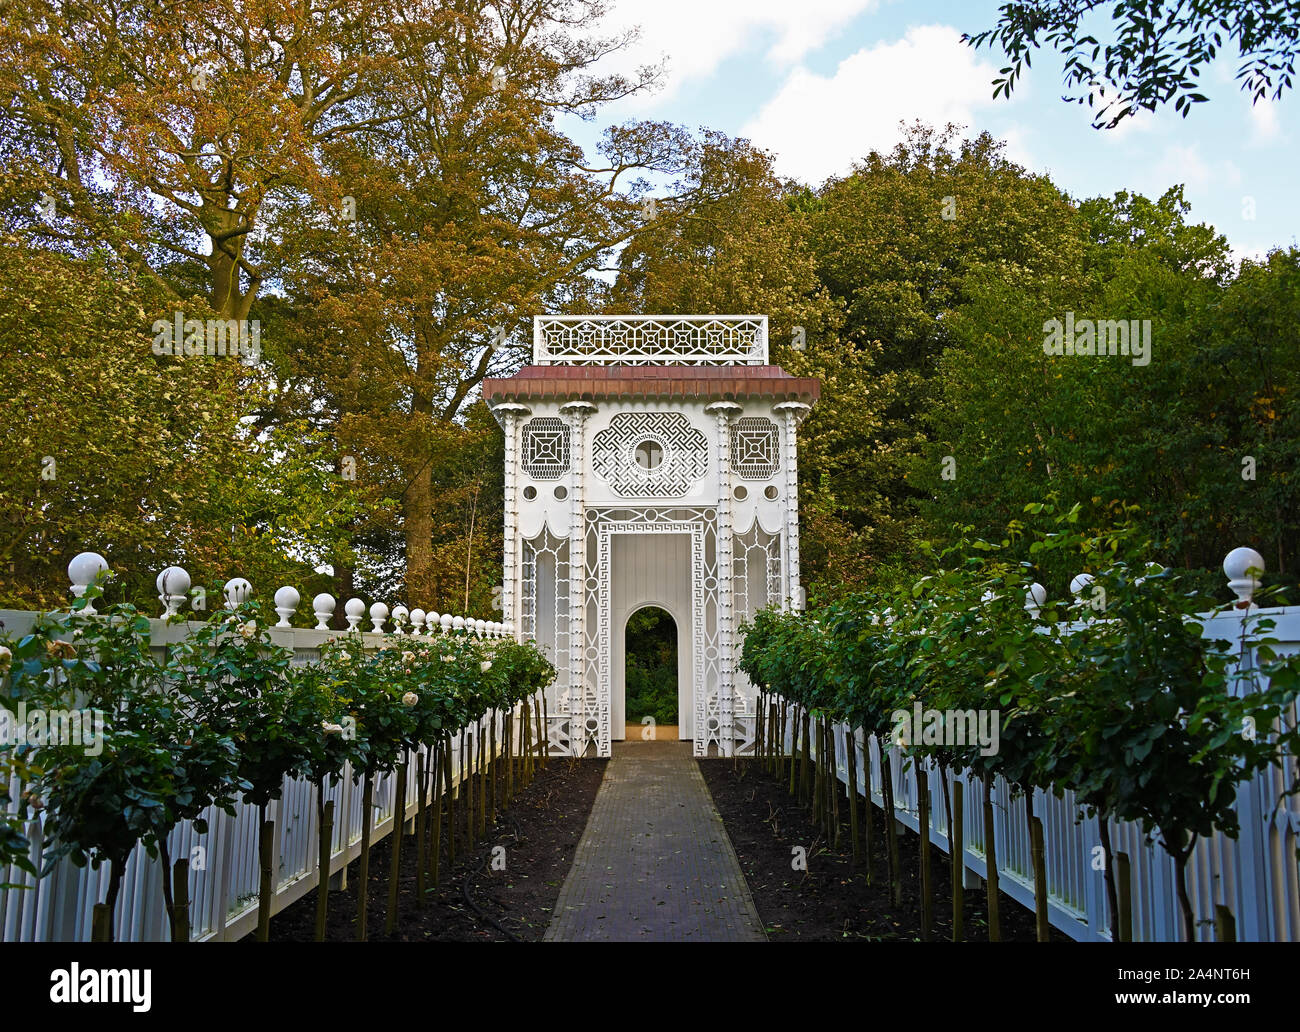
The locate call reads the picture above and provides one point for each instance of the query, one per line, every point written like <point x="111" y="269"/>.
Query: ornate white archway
<point x="644" y="455"/>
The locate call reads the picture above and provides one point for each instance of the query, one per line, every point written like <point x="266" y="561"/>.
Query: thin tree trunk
<point x="449" y="790"/>
<point x="1124" y="887"/>
<point x="956" y="850"/>
<point x="1039" y="859"/>
<point x="1180" y="883"/>
<point x="435" y="847"/>
<point x="395" y="868"/>
<point x="851" y="752"/>
<point x="363" y="865"/>
<point x="421" y="787"/>
<point x="266" y="880"/>
<point x="991" y="864"/>
<point x="181" y="906"/>
<point x="891" y="830"/>
<point x="923" y="823"/>
<point x="325" y="819"/>
<point x="1107" y="858"/>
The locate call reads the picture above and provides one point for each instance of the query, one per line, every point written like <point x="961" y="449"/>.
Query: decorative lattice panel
<point x="756" y="572"/>
<point x="679" y="453"/>
<point x="650" y="340"/>
<point x="755" y="448"/>
<point x="546" y="448"/>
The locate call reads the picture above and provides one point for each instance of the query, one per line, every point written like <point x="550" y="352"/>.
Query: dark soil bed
<point x="831" y="901"/>
<point x="540" y="832"/>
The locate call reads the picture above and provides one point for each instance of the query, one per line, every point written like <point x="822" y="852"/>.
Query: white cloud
<point x="697" y="36"/>
<point x="1263" y="121"/>
<point x="1184" y="165"/>
<point x="818" y="126"/>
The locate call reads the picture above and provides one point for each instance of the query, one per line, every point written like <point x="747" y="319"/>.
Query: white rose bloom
<point x="248" y="630"/>
<point x="485" y="666"/>
<point x="331" y="729"/>
<point x="448" y="659"/>
<point x="6" y="657"/>
<point x="410" y="699"/>
<point x="408" y="657"/>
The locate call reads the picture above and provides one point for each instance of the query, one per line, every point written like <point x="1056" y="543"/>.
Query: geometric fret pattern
<point x="682" y="451"/>
<point x="755" y="448"/>
<point x="546" y="448"/>
<point x="650" y="340"/>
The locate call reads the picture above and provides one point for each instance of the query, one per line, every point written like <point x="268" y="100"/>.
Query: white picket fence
<point x="224" y="875"/>
<point x="1257" y="875"/>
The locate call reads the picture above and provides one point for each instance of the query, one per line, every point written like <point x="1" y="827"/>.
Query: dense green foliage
<point x="651" y="671"/>
<point x="225" y="717"/>
<point x="1132" y="707"/>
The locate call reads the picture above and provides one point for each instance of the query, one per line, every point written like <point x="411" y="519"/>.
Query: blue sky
<point x="822" y="82"/>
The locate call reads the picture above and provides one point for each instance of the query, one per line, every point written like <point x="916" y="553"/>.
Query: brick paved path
<point x="655" y="863"/>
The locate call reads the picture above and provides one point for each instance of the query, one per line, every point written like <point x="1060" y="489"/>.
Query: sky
<point x="820" y="83"/>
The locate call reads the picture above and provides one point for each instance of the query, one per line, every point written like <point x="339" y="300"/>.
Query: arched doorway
<point x="651" y="674"/>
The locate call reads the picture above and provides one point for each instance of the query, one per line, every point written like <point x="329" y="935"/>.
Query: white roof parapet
<point x="650" y="340"/>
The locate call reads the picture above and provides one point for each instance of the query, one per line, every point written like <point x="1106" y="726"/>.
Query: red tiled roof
<point x="598" y="383"/>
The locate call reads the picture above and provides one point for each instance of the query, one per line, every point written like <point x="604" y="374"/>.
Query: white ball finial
<point x="1080" y="584"/>
<point x="1236" y="565"/>
<point x="458" y="622"/>
<point x="480" y="626"/>
<point x="173" y="584"/>
<point x="418" y="620"/>
<point x="400" y="615"/>
<point x="355" y="610"/>
<point x="435" y="623"/>
<point x="286" y="601"/>
<point x="323" y="606"/>
<point x="1034" y="599"/>
<point x="84" y="570"/>
<point x="378" y="614"/>
<point x="446" y="621"/>
<point x="237" y="591"/>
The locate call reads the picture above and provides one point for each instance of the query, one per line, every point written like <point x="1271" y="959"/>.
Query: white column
<point x="793" y="413"/>
<point x="510" y="416"/>
<point x="577" y="413"/>
<point x="724" y="411"/>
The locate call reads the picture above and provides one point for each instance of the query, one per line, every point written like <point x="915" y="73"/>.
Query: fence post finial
<point x="378" y="614"/>
<point x="400" y="615"/>
<point x="323" y="607"/>
<point x="354" y="609"/>
<point x="83" y="571"/>
<point x="446" y="622"/>
<point x="173" y="584"/>
<point x="1034" y="599"/>
<point x="418" y="620"/>
<point x="1237" y="565"/>
<point x="286" y="602"/>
